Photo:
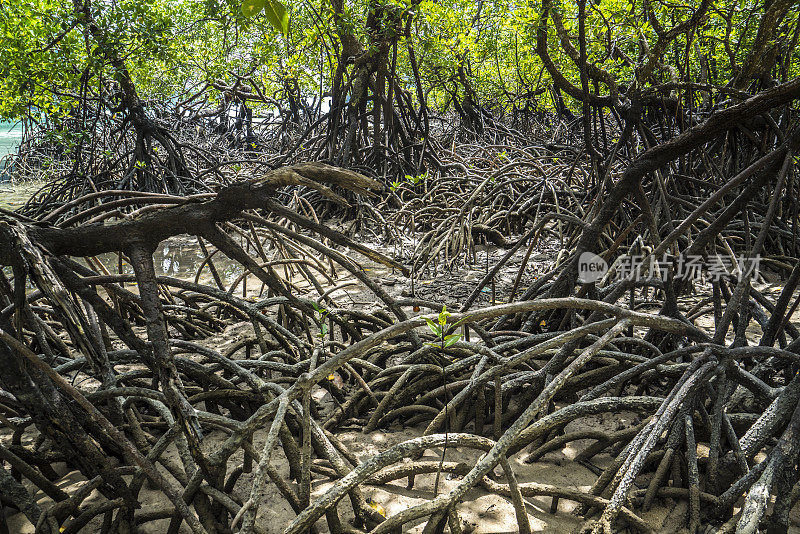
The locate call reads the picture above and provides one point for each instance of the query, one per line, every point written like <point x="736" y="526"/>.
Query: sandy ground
<point x="481" y="512"/>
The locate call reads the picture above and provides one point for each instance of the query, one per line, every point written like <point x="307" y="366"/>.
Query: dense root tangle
<point x="105" y="377"/>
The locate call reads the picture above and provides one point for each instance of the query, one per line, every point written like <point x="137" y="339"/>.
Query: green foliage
<point x="26" y="63"/>
<point x="414" y="180"/>
<point x="171" y="47"/>
<point x="274" y="11"/>
<point x="410" y="179"/>
<point x="45" y="55"/>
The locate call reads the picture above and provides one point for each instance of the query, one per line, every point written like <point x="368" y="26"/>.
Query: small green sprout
<point x="414" y="180"/>
<point x="439" y="330"/>
<point x="323" y="326"/>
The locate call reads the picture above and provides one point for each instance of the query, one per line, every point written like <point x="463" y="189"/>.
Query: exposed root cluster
<point x="105" y="376"/>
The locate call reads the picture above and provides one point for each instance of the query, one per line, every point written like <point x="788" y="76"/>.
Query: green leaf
<point x="452" y="339"/>
<point x="460" y="321"/>
<point x="251" y="8"/>
<point x="435" y="328"/>
<point x="277" y="15"/>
